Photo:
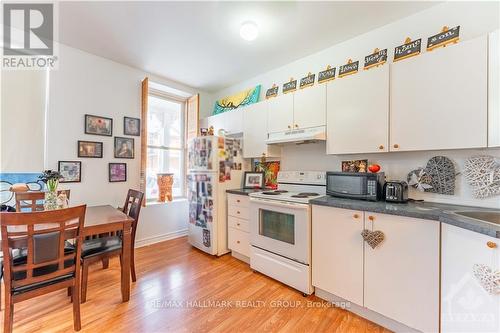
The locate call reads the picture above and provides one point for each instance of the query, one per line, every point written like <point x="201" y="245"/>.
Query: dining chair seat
<point x="98" y="246"/>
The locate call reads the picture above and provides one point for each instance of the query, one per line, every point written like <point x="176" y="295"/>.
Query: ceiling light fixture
<point x="249" y="30"/>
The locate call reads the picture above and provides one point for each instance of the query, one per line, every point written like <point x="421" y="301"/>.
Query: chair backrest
<point x="29" y="201"/>
<point x="132" y="208"/>
<point x="41" y="236"/>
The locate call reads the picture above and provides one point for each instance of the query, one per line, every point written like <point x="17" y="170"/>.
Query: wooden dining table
<point x="104" y="219"/>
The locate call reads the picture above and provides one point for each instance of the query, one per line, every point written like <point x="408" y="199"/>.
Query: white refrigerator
<point x="215" y="164"/>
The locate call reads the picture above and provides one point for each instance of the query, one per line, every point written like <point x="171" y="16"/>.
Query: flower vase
<point x="50" y="202"/>
<point x="165" y="181"/>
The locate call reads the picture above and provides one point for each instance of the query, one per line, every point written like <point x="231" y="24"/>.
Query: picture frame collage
<point x="123" y="148"/>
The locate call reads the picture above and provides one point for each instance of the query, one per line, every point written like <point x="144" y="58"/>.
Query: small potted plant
<point x="51" y="180"/>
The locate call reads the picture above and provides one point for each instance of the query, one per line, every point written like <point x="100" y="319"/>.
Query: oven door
<point x="281" y="227"/>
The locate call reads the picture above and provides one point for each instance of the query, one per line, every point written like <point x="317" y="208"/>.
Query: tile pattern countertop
<point x="444" y="213"/>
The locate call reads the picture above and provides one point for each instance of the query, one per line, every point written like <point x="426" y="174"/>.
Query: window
<point x="166" y="143"/>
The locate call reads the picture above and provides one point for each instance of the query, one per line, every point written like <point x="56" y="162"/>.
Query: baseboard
<point x="161" y="238"/>
<point x="241" y="257"/>
<point x="373" y="316"/>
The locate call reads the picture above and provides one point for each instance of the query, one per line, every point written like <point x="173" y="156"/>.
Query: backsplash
<point x="396" y="167"/>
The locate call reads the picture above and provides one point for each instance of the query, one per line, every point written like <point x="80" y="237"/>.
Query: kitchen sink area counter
<point x="456" y="215"/>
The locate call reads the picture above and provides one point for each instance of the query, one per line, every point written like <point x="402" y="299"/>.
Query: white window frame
<point x="183" y="150"/>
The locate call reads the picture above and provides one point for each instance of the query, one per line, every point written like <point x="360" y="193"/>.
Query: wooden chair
<point x="103" y="248"/>
<point x="36" y="261"/>
<point x="33" y="201"/>
<point x="29" y="201"/>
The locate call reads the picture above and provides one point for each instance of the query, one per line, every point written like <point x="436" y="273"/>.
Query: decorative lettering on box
<point x="408" y="49"/>
<point x="445" y="37"/>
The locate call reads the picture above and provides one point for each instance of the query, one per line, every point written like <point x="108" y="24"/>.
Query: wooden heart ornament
<point x="487" y="278"/>
<point x="373" y="238"/>
<point x="438" y="176"/>
<point x="482" y="173"/>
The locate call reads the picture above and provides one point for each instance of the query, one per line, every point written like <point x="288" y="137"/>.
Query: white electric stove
<point x="280" y="228"/>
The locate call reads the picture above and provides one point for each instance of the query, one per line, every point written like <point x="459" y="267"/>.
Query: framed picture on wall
<point x="253" y="179"/>
<point x="131" y="126"/>
<point x="71" y="171"/>
<point x="91" y="149"/>
<point x="117" y="172"/>
<point x="124" y="147"/>
<point x="97" y="125"/>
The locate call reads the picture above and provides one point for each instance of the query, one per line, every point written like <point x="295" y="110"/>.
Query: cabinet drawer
<point x="237" y="223"/>
<point x="239" y="241"/>
<point x="238" y="211"/>
<point x="237" y="200"/>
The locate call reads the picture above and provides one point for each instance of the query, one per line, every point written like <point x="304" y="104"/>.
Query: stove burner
<point x="281" y="191"/>
<point x="309" y="194"/>
<point x="299" y="196"/>
<point x="271" y="193"/>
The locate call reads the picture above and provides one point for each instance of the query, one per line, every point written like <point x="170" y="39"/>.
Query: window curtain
<point x="144" y="136"/>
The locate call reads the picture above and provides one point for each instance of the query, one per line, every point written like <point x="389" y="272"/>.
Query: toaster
<point x="396" y="191"/>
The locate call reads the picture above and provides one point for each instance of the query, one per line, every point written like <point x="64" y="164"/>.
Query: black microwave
<point x="355" y="185"/>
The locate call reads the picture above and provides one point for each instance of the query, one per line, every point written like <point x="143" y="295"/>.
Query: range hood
<point x="305" y="135"/>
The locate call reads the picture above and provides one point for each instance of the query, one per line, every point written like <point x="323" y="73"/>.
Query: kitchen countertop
<point x="444" y="213"/>
<point x="244" y="191"/>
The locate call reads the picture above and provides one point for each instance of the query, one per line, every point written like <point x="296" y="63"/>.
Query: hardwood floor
<point x="174" y="271"/>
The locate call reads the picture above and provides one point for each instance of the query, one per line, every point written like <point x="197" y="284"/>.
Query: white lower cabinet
<point x="465" y="305"/>
<point x="238" y="237"/>
<point x="402" y="273"/>
<point x="337" y="252"/>
<point x="398" y="279"/>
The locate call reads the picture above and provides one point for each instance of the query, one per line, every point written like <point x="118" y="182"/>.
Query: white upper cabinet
<point x="465" y="305"/>
<point x="280" y="113"/>
<point x="358" y="113"/>
<point x="231" y="121"/>
<point x="337" y="252"/>
<point x="234" y="121"/>
<point x="439" y="99"/>
<point x="217" y="121"/>
<point x="402" y="273"/>
<point x="255" y="132"/>
<point x="309" y="107"/>
<point x="494" y="89"/>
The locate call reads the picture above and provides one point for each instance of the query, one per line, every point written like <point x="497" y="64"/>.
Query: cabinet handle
<point x="263" y="154"/>
<point x="238" y="200"/>
<point x="296" y="126"/>
<point x="381" y="147"/>
<point x="396" y="145"/>
<point x="355" y="216"/>
<point x="237" y="212"/>
<point x="491" y="245"/>
<point x="289" y="126"/>
<point x="237" y="242"/>
<point x="371" y="218"/>
<point x="237" y="224"/>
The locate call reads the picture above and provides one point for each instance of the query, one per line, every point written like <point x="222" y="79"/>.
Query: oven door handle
<point x="280" y="203"/>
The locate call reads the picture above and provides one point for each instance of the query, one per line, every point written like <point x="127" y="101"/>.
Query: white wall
<point x="22" y="120"/>
<point x="85" y="84"/>
<point x="395" y="165"/>
<point x="475" y="19"/>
